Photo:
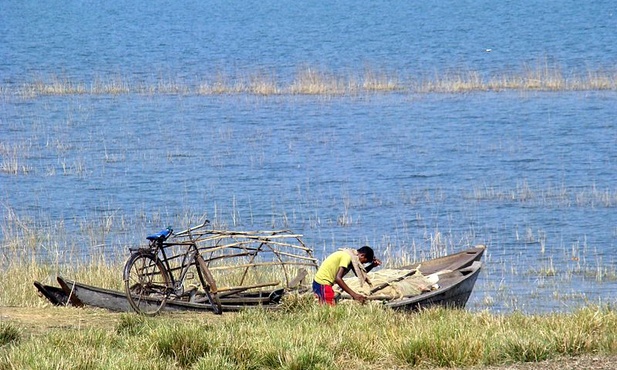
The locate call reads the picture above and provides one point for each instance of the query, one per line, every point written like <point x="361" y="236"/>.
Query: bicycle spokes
<point x="146" y="283"/>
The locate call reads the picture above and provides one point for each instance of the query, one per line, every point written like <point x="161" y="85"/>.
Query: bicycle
<point x="149" y="278"/>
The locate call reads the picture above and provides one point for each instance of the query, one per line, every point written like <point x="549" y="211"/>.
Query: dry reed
<point x="313" y="81"/>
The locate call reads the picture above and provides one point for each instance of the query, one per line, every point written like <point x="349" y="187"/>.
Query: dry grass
<point x="551" y="195"/>
<point x="313" y="81"/>
<point x="13" y="158"/>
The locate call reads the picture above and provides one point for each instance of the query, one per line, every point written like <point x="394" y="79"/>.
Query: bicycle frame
<point x="157" y="279"/>
<point x="188" y="260"/>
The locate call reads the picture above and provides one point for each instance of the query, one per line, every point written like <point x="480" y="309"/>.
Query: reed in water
<point x="319" y="82"/>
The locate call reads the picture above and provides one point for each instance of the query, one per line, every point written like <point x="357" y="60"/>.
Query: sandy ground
<point x="41" y="319"/>
<point x="578" y="363"/>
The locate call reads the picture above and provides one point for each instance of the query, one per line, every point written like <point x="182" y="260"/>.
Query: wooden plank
<point x="238" y="289"/>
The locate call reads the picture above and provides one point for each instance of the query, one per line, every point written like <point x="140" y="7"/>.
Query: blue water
<point x="531" y="175"/>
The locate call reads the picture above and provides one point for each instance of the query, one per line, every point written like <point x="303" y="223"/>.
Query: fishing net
<point x="392" y="284"/>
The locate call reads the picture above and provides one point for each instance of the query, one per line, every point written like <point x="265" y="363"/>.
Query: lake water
<point x="530" y="174"/>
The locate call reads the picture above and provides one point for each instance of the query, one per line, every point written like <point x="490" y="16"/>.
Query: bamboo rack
<point x="247" y="260"/>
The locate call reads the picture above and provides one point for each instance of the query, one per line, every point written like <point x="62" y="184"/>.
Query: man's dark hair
<point x="368" y="253"/>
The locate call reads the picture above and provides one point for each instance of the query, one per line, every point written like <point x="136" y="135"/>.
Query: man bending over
<point x="336" y="266"/>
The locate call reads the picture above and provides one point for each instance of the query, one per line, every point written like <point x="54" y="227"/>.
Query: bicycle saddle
<point x="161" y="235"/>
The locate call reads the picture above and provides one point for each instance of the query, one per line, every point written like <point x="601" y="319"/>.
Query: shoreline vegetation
<point x="312" y="81"/>
<point x="304" y="335"/>
<point x="94" y="250"/>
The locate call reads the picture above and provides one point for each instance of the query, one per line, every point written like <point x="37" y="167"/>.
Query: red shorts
<point x="325" y="293"/>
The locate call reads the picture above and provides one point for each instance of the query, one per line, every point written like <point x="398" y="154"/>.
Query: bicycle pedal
<point x="192" y="295"/>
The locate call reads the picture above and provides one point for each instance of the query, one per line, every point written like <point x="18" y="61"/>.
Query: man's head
<point x="366" y="254"/>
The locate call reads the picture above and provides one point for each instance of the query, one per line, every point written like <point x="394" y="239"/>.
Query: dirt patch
<point x="38" y="320"/>
<point x="575" y="363"/>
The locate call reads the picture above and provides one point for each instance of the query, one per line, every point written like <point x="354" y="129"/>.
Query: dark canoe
<point x="114" y="300"/>
<point x="454" y="290"/>
<point x="57" y="296"/>
<point x="73" y="293"/>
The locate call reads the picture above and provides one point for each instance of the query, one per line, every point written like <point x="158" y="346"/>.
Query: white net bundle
<point x="392" y="284"/>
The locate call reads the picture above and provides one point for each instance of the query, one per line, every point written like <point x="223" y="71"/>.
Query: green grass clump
<point x="9" y="333"/>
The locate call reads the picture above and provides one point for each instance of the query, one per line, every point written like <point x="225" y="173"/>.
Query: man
<point x="336" y="266"/>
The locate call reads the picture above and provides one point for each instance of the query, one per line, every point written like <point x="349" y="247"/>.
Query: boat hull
<point x="116" y="301"/>
<point x="454" y="291"/>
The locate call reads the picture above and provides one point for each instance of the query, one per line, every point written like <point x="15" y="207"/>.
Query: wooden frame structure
<point x="245" y="261"/>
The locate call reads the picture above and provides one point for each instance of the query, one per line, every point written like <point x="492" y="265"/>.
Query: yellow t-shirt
<point x="327" y="271"/>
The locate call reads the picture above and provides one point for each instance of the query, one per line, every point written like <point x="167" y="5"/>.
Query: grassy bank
<point x="302" y="336"/>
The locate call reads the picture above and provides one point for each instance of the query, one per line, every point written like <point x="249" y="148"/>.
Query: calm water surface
<point x="531" y="175"/>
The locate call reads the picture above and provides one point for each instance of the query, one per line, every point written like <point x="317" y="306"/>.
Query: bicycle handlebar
<point x="187" y="231"/>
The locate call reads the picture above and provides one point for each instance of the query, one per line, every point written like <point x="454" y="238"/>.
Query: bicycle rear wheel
<point x="146" y="283"/>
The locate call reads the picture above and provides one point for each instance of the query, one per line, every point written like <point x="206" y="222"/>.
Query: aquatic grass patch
<point x="311" y="80"/>
<point x="453" y="82"/>
<point x="551" y="195"/>
<point x="221" y="84"/>
<point x="380" y="81"/>
<point x="13" y="158"/>
<point x="53" y="86"/>
<point x="263" y="83"/>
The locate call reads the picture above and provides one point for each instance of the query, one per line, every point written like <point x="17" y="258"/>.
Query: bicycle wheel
<point x="209" y="285"/>
<point x="146" y="283"/>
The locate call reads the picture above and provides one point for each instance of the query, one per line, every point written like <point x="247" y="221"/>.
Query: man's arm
<point x="376" y="262"/>
<point x="339" y="280"/>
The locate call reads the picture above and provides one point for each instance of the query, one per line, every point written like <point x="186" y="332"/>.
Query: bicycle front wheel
<point x="146" y="283"/>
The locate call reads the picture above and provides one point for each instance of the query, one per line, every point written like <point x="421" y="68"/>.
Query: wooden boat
<point x="456" y="273"/>
<point x="114" y="300"/>
<point x="453" y="261"/>
<point x="454" y="290"/>
<point x="57" y="296"/>
<point x="72" y="293"/>
<point x="455" y="287"/>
